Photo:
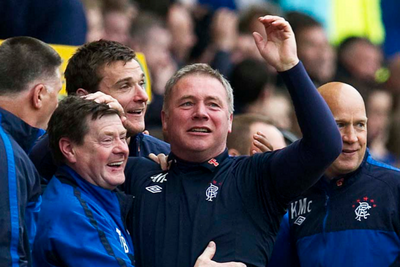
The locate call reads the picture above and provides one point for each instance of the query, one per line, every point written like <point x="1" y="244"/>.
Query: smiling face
<point x="102" y="157"/>
<point x="126" y="83"/>
<point x="197" y="120"/>
<point x="348" y="109"/>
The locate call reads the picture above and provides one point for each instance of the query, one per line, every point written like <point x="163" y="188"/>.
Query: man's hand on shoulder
<point x="205" y="259"/>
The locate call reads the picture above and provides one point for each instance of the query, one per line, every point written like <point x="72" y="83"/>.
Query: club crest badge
<point x="211" y="192"/>
<point x="362" y="208"/>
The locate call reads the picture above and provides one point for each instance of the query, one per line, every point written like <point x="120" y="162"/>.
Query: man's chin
<point x="134" y="128"/>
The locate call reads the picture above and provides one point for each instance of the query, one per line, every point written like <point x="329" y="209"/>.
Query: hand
<point x="205" y="259"/>
<point x="100" y="97"/>
<point x="224" y="29"/>
<point x="161" y="159"/>
<point x="279" y="47"/>
<point x="261" y="143"/>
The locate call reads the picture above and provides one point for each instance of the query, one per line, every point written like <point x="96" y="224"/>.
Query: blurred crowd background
<point x="357" y="42"/>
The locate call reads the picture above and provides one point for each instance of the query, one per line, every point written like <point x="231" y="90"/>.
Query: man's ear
<point x="81" y="92"/>
<point x="164" y="117"/>
<point x="38" y="93"/>
<point x="67" y="149"/>
<point x="233" y="152"/>
<point x="230" y="123"/>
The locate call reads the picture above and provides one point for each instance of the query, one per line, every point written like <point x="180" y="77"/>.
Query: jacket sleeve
<point x="296" y="168"/>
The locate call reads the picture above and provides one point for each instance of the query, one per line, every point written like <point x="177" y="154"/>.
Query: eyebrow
<point x="127" y="79"/>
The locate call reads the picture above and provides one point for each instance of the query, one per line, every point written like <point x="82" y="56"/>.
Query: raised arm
<point x="300" y="165"/>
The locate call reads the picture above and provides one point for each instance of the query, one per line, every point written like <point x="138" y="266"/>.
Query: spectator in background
<point x="52" y="21"/>
<point x="117" y="15"/>
<point x="358" y="63"/>
<point x="252" y="86"/>
<point x="313" y="47"/>
<point x="351" y="216"/>
<point x="145" y="29"/>
<point x="248" y="131"/>
<point x="379" y="109"/>
<point x="30" y="80"/>
<point x="255" y="92"/>
<point x="181" y="27"/>
<point x="248" y="23"/>
<point x="95" y="21"/>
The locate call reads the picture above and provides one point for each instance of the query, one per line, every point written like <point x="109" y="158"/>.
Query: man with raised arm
<point x="237" y="202"/>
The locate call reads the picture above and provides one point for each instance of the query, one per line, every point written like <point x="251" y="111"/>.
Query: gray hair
<point x="198" y="68"/>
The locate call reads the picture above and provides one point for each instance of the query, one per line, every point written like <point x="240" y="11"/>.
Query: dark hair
<point x="23" y="60"/>
<point x="248" y="80"/>
<point x="83" y="69"/>
<point x="70" y="120"/>
<point x="300" y="21"/>
<point x="239" y="138"/>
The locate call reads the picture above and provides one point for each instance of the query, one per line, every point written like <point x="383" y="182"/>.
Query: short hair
<point x="248" y="80"/>
<point x="300" y="21"/>
<point x="70" y="120"/>
<point x="23" y="60"/>
<point x="200" y="69"/>
<point x="239" y="138"/>
<point x="83" y="69"/>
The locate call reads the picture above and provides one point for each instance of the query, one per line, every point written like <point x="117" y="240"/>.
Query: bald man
<point x="350" y="217"/>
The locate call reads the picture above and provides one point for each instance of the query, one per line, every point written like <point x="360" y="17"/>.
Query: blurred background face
<point x="116" y="27"/>
<point x="379" y="107"/>
<point x="363" y="60"/>
<point x="316" y="54"/>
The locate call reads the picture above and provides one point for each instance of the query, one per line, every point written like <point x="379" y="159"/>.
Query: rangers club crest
<point x="211" y="192"/>
<point x="362" y="210"/>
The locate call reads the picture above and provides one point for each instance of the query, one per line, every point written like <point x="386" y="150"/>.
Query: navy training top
<point x="237" y="202"/>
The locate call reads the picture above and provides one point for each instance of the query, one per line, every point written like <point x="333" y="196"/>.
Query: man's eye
<point x="361" y="124"/>
<point x="187" y="104"/>
<point x="142" y="84"/>
<point x="340" y="125"/>
<point x="125" y="86"/>
<point x="214" y="105"/>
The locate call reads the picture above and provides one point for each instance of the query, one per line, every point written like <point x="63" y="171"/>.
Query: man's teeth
<point x="138" y="111"/>
<point x="116" y="164"/>
<point x="200" y="130"/>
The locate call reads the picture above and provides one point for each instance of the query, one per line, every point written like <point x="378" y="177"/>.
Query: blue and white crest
<point x="211" y="192"/>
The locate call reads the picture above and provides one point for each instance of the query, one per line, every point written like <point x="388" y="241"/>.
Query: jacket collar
<point x="24" y="134"/>
<point x="211" y="164"/>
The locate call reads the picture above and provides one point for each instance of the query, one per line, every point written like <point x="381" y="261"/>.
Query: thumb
<point x="258" y="39"/>
<point x="209" y="252"/>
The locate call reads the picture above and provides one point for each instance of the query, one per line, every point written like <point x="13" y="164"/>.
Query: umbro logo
<point x="159" y="178"/>
<point x="154" y="189"/>
<point x="299" y="220"/>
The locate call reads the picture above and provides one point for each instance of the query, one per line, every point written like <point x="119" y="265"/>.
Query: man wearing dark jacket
<point x="29" y="84"/>
<point x="350" y="217"/>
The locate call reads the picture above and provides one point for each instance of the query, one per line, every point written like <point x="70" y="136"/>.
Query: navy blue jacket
<point x="141" y="145"/>
<point x="237" y="202"/>
<point x="19" y="190"/>
<point x="352" y="220"/>
<point x="81" y="224"/>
